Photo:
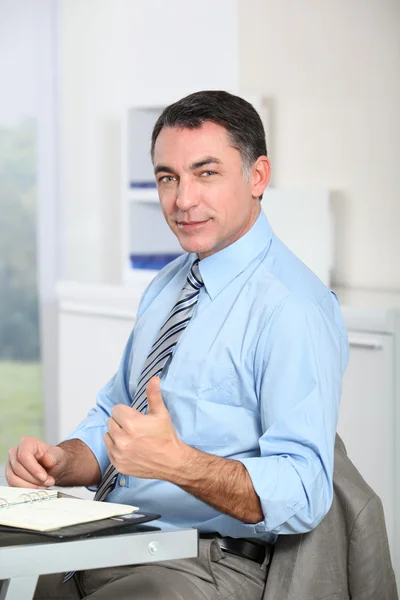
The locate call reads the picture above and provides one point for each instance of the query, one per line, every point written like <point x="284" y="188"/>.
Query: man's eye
<point x="208" y="173"/>
<point x="166" y="178"/>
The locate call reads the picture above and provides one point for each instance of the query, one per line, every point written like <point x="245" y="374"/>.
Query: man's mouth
<point x="189" y="225"/>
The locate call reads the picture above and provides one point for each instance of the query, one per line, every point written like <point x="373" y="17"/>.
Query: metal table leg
<point x="18" y="588"/>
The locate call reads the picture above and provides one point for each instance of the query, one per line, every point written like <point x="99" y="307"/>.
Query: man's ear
<point x="260" y="176"/>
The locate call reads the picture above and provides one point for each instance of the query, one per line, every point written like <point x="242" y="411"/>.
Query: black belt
<point x="239" y="547"/>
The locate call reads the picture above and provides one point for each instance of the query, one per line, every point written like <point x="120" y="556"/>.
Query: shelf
<point x="143" y="195"/>
<point x="140" y="277"/>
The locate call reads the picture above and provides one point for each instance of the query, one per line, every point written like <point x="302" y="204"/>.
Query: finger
<point x="27" y="456"/>
<point x="52" y="458"/>
<point x="154" y="397"/>
<point x="15" y="481"/>
<point x="121" y="413"/>
<point x="109" y="442"/>
<point x="22" y="473"/>
<point x="112" y="422"/>
<point x="110" y="447"/>
<point x="49" y="461"/>
<point x="114" y="429"/>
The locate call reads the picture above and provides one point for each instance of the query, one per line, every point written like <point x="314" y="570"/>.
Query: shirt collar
<point x="221" y="268"/>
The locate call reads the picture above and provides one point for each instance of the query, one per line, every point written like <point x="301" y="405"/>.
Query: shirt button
<point x="122" y="481"/>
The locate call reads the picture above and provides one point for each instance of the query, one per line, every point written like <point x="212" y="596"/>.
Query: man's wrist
<point x="192" y="464"/>
<point x="80" y="467"/>
<point x="185" y="465"/>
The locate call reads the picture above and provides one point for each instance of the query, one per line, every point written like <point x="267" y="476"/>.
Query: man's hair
<point x="240" y="119"/>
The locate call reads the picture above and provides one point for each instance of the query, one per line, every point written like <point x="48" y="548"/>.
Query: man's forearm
<point x="223" y="483"/>
<point x="82" y="467"/>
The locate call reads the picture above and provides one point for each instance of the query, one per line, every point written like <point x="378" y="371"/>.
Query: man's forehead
<point x="209" y="139"/>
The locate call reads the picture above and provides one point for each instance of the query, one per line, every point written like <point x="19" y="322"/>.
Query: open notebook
<point x="45" y="510"/>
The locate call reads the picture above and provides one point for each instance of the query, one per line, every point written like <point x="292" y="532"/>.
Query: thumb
<point x="52" y="457"/>
<point x="154" y="397"/>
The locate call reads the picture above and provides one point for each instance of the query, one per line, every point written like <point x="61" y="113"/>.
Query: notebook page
<point x="43" y="516"/>
<point x="16" y="495"/>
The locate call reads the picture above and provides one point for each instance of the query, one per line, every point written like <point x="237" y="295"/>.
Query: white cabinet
<point x="94" y="326"/>
<point x="369" y="420"/>
<point x="366" y="422"/>
<point x="143" y="228"/>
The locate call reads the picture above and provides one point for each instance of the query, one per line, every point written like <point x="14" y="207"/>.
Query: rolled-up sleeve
<point x="92" y="429"/>
<point x="299" y="362"/>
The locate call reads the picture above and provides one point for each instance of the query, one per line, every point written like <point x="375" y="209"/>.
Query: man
<point x="236" y="435"/>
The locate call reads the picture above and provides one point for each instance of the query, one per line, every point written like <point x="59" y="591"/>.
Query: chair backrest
<point x="345" y="556"/>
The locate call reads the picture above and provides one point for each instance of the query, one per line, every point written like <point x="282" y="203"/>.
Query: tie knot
<point x="194" y="277"/>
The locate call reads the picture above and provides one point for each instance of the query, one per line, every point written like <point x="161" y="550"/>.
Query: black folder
<point x="130" y="523"/>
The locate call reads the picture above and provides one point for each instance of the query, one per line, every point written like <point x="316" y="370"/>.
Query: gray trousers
<point x="213" y="575"/>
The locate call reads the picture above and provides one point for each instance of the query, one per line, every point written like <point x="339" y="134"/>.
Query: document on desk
<point x="44" y="510"/>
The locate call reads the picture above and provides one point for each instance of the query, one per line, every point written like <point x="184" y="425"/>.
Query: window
<point x="21" y="395"/>
<point x="24" y="30"/>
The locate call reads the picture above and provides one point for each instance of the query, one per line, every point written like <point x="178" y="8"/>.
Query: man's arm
<point x="223" y="483"/>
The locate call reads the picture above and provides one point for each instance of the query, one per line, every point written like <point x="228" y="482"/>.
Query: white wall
<point x="330" y="68"/>
<point x="332" y="71"/>
<point x="114" y="53"/>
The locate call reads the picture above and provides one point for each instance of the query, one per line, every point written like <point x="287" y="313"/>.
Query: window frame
<point x="49" y="238"/>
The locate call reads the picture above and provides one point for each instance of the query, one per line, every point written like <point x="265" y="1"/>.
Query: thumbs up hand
<point x="144" y="445"/>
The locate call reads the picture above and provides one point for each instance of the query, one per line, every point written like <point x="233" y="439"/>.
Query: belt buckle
<point x="222" y="545"/>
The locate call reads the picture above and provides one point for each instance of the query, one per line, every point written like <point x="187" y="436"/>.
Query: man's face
<point x="203" y="193"/>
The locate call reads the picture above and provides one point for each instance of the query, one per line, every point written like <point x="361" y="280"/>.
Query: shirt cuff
<point x="92" y="434"/>
<point x="278" y="502"/>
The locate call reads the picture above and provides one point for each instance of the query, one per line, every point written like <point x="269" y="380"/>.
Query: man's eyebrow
<point x="163" y="168"/>
<point x="207" y="160"/>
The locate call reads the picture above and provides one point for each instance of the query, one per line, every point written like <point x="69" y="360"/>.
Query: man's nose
<point x="187" y="197"/>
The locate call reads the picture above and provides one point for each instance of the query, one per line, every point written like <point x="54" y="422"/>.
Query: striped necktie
<point x="159" y="357"/>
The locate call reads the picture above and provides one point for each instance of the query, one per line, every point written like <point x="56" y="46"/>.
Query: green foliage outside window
<point x="19" y="331"/>
<point x="21" y="399"/>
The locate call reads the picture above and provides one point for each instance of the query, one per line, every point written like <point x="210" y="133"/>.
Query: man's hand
<point x="148" y="446"/>
<point x="34" y="464"/>
<point x="141" y="445"/>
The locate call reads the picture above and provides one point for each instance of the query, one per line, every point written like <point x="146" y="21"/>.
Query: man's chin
<point x="193" y="247"/>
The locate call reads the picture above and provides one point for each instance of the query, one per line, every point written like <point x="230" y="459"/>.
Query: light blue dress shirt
<point x="256" y="377"/>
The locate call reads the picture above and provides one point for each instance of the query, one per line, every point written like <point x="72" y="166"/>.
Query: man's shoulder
<point x="293" y="274"/>
<point x="283" y="279"/>
<point x="288" y="286"/>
